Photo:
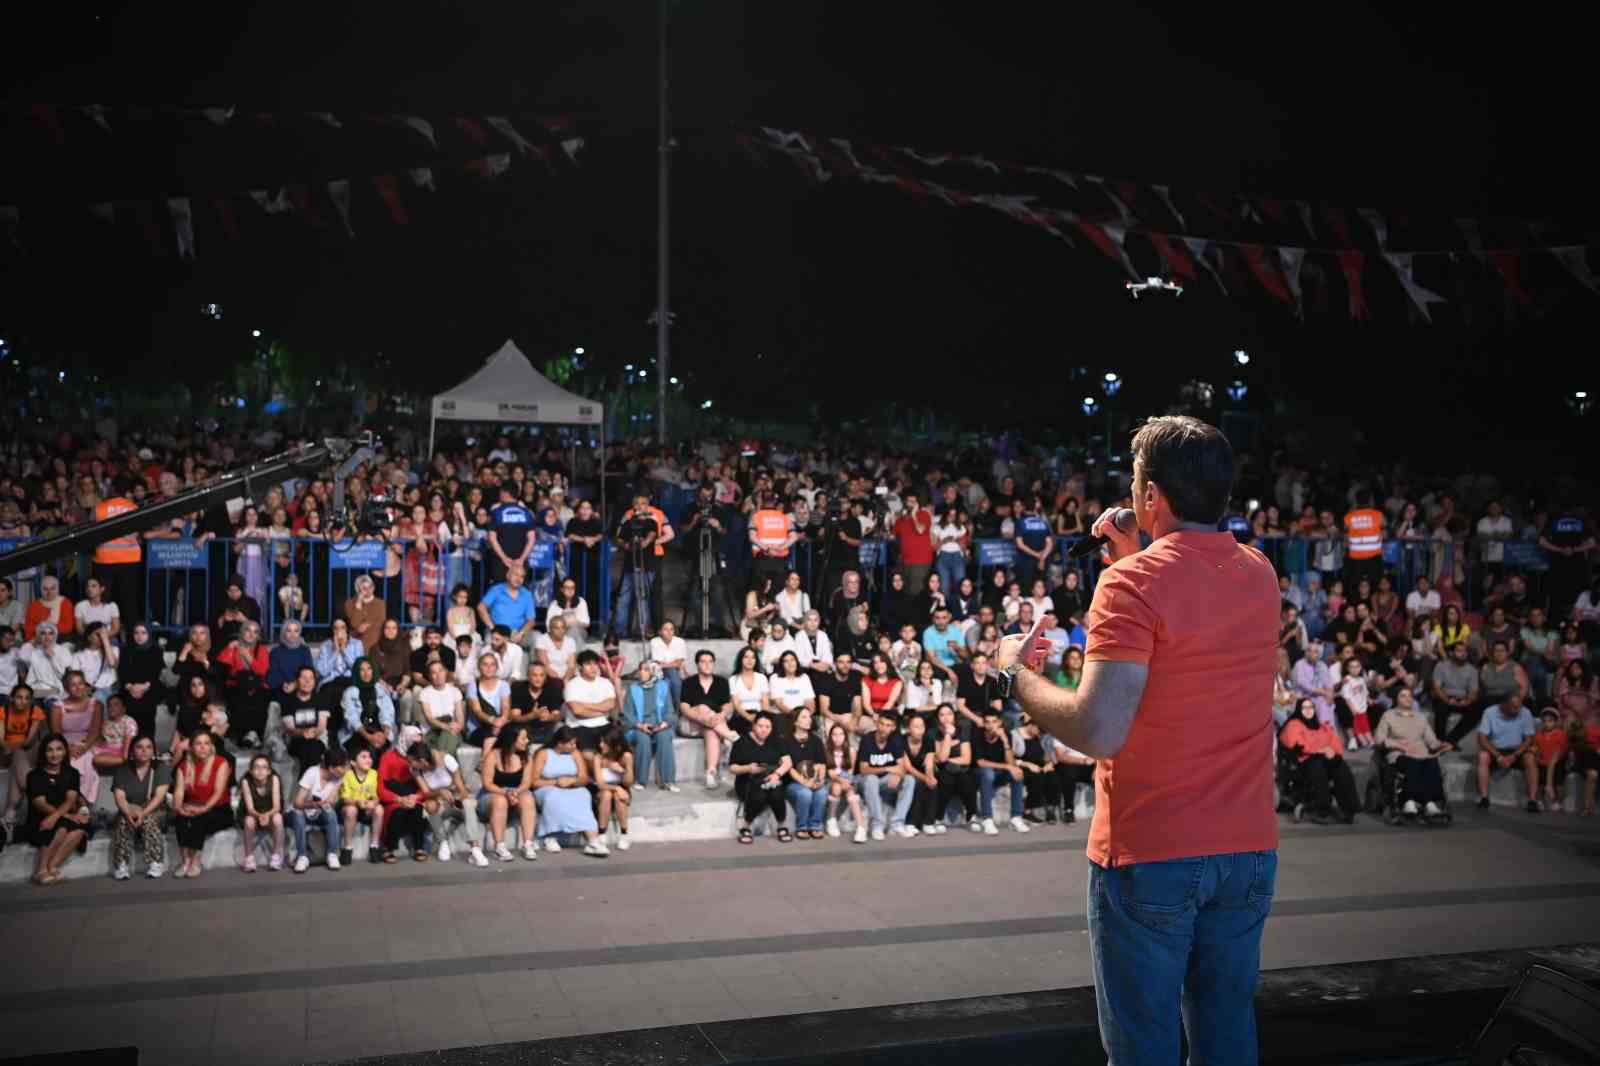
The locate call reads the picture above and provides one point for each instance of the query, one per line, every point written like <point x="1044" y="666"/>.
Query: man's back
<point x="1195" y="775"/>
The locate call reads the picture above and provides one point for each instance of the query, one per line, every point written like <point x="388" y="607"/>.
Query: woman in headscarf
<point x="286" y="659"/>
<point x="1320" y="756"/>
<point x="140" y="669"/>
<point x="897" y="607"/>
<point x="368" y="710"/>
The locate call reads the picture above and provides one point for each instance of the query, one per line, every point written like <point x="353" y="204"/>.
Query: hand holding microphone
<point x="1116" y="530"/>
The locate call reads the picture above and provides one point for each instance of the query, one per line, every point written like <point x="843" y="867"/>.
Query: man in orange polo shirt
<point x="1175" y="704"/>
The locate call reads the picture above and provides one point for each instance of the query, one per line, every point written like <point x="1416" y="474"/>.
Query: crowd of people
<point x="861" y="693"/>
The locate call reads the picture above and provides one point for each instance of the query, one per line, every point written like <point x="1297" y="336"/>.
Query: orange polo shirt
<point x="1195" y="775"/>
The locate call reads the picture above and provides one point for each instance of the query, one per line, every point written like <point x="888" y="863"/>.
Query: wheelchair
<point x="1385" y="796"/>
<point x="1291" y="782"/>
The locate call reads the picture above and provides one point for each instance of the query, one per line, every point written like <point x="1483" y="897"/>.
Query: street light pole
<point x="663" y="176"/>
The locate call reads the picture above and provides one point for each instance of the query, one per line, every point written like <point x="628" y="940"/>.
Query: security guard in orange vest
<point x="116" y="562"/>
<point x="1363" y="543"/>
<point x="771" y="536"/>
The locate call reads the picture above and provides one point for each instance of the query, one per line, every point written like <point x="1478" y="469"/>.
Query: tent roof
<point x="509" y="389"/>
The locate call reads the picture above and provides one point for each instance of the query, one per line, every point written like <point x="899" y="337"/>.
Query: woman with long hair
<point x="58" y="822"/>
<point x="200" y="800"/>
<point x="78" y="716"/>
<point x="1577" y="692"/>
<point x="1451" y="629"/>
<point x="749" y="689"/>
<point x="561" y="780"/>
<point x="952" y="761"/>
<point x="839" y="756"/>
<point x="807" y="782"/>
<point x="880" y="689"/>
<point x="613" y="783"/>
<point x="368" y="711"/>
<point x="140" y="788"/>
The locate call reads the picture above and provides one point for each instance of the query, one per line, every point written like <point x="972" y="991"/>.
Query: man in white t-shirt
<point x="1423" y="601"/>
<point x="512" y="659"/>
<point x="316" y="806"/>
<point x="1494" y="529"/>
<point x="557" y="650"/>
<point x="590" y="701"/>
<point x="668" y="651"/>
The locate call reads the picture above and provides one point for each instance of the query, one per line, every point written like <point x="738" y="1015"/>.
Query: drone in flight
<point x="1159" y="284"/>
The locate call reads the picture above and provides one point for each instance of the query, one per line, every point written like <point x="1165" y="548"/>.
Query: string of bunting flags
<point x="431" y="150"/>
<point x="1232" y="241"/>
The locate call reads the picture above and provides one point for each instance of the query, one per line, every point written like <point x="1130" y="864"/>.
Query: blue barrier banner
<point x="996" y="553"/>
<point x="874" y="553"/>
<point x="367" y="555"/>
<point x="543" y="555"/>
<point x="1525" y="555"/>
<point x="175" y="555"/>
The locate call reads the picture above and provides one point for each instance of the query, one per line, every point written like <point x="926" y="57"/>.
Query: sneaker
<point x="502" y="852"/>
<point x="1351" y="744"/>
<point x="1483" y="803"/>
<point x="833" y="827"/>
<point x="252" y="739"/>
<point x="302" y="864"/>
<point x="121" y="873"/>
<point x="249" y="864"/>
<point x="1021" y="826"/>
<point x="530" y="850"/>
<point x="552" y="844"/>
<point x="155" y="871"/>
<point x="975" y="825"/>
<point x="1049" y="816"/>
<point x="860" y="835"/>
<point x="478" y="858"/>
<point x="333" y="860"/>
<point x="1033" y="817"/>
<point x="711" y="779"/>
<point x="1533" y="806"/>
<point x="596" y="849"/>
<point x="1432" y="810"/>
<point x="672" y="788"/>
<point x="374" y="854"/>
<point x="1409" y="808"/>
<point x="938" y="828"/>
<point x="637" y="787"/>
<point x="989" y="828"/>
<point x="444" y="852"/>
<point x="906" y="831"/>
<point x="623" y="843"/>
<point x="275" y="863"/>
<point x="346" y="856"/>
<point x="877" y="834"/>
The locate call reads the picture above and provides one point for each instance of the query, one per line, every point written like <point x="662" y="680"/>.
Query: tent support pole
<point x="433" y="420"/>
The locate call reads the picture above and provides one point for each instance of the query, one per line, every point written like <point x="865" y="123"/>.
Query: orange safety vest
<point x="123" y="549"/>
<point x="661" y="527"/>
<point x="1363" y="532"/>
<point x="772" y="529"/>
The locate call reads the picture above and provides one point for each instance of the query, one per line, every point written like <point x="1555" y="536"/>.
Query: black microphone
<point x="1125" y="520"/>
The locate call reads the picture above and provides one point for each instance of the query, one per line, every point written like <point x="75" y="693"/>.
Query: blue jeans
<point x="988" y="778"/>
<point x="809" y="805"/>
<point x="658" y="745"/>
<point x="622" y="623"/>
<point x="951" y="568"/>
<point x="1179" y="940"/>
<point x="301" y="823"/>
<point x="673" y="676"/>
<point x="872" y="788"/>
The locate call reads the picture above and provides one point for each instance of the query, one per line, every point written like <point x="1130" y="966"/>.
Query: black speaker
<point x="1547" y="1019"/>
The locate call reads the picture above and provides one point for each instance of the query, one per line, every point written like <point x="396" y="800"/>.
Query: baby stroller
<point x="1385" y="795"/>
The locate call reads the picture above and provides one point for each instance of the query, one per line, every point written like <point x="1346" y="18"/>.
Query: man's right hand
<point x="1119" y="543"/>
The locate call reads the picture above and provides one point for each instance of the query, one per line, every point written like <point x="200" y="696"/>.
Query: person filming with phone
<point x="1175" y="704"/>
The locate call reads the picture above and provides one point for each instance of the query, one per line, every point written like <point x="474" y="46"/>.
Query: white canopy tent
<point x="509" y="389"/>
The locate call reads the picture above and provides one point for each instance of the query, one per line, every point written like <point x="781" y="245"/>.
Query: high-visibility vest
<point x="771" y="528"/>
<point x="123" y="549"/>
<point x="1363" y="534"/>
<point x="661" y="524"/>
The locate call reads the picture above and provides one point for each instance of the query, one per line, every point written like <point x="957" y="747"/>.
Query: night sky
<point x="1430" y="111"/>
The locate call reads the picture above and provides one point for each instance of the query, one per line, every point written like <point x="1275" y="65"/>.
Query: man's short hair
<point x="1191" y="461"/>
<point x="587" y="656"/>
<point x="703" y="653"/>
<point x="501" y="631"/>
<point x="6" y="581"/>
<point x="1500" y="644"/>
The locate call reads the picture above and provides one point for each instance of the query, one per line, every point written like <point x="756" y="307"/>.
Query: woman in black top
<point x="760" y="765"/>
<point x="808" y="776"/>
<point x="897" y="607"/>
<point x="921" y="762"/>
<point x="966" y="601"/>
<point x="583" y="536"/>
<point x="952" y="758"/>
<point x="195" y="694"/>
<point x="58" y="823"/>
<point x="140" y="670"/>
<point x="1042" y="785"/>
<point x="994" y="592"/>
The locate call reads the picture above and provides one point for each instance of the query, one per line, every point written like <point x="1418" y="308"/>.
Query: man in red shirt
<point x="1175" y="706"/>
<point x="913" y="531"/>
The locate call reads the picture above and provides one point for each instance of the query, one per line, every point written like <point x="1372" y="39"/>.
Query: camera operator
<point x="636" y="538"/>
<point x="844" y="531"/>
<point x="706" y="532"/>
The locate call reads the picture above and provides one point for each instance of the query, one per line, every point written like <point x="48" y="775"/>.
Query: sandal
<point x="420" y="856"/>
<point x="746" y="837"/>
<point x="783" y="835"/>
<point x="390" y="857"/>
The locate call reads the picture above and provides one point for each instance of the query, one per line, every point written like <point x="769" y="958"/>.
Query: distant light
<point x="642" y="373"/>
<point x="319" y="383"/>
<point x="239" y="403"/>
<point x="706" y="406"/>
<point x="578" y="350"/>
<point x="673" y="380"/>
<point x="1113" y="383"/>
<point x="1090" y="404"/>
<point x="61" y="376"/>
<point x="628" y="367"/>
<point x="255" y="333"/>
<point x="1237" y="392"/>
<point x="1580" y="394"/>
<point x="1241" y="357"/>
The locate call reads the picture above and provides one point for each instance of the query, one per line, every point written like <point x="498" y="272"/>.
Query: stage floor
<point x="275" y="968"/>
